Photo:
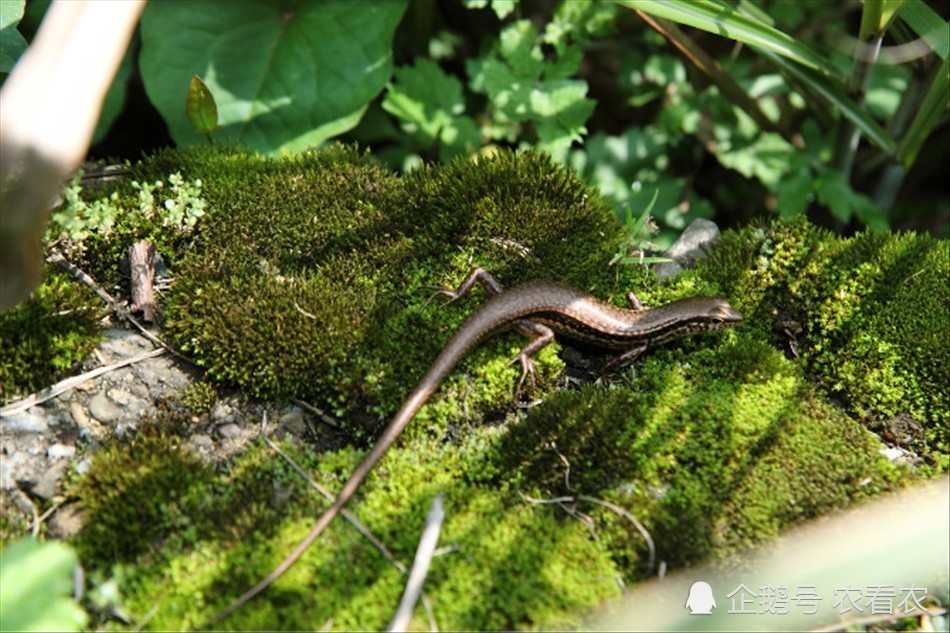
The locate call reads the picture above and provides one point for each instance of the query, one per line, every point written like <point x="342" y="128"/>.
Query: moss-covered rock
<point x="869" y="317"/>
<point x="306" y="278"/>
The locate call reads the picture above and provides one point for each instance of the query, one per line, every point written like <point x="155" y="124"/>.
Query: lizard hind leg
<point x="541" y="336"/>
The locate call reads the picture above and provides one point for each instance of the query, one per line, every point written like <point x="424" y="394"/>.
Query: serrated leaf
<point x="429" y="104"/>
<point x="520" y="50"/>
<point x="284" y="76"/>
<point x="200" y="107"/>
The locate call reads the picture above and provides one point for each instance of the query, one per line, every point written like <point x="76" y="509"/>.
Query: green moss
<point x="136" y="495"/>
<point x="198" y="397"/>
<point x="867" y="315"/>
<point x="306" y="271"/>
<point x="46" y="337"/>
<point x="306" y="278"/>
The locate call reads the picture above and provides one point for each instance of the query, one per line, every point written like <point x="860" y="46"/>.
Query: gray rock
<point x="690" y="246"/>
<point x="292" y="421"/>
<point x="66" y="522"/>
<point x="25" y="422"/>
<point x="103" y="409"/>
<point x="120" y="396"/>
<point x="222" y="412"/>
<point x="46" y="485"/>
<point x="229" y="431"/>
<point x="79" y="414"/>
<point x="201" y="444"/>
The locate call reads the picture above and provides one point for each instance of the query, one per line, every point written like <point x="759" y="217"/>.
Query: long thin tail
<point x="444" y="364"/>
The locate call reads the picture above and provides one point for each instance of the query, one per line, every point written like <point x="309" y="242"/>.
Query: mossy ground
<point x="306" y="279"/>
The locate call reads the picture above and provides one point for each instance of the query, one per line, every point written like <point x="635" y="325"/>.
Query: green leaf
<point x="722" y="19"/>
<point x="429" y="104"/>
<point x="12" y="44"/>
<point x="933" y="109"/>
<point x="794" y="192"/>
<point x="928" y="25"/>
<point x="36" y="581"/>
<point x="285" y="76"/>
<point x="200" y="107"/>
<point x="876" y="16"/>
<point x="520" y="50"/>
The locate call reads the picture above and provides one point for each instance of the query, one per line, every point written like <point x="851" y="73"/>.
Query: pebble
<point x="60" y="451"/>
<point x="229" y="431"/>
<point x="103" y="409"/>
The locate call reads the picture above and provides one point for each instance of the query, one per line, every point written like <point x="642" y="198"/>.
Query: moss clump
<point x="46" y="337"/>
<point x="308" y="271"/>
<point x="867" y="316"/>
<point x="137" y="495"/>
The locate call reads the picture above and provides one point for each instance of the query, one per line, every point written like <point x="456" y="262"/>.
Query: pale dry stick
<point x="320" y="413"/>
<point x="49" y="106"/>
<point x="49" y="512"/>
<point x="349" y="516"/>
<point x="420" y="566"/>
<point x="71" y="383"/>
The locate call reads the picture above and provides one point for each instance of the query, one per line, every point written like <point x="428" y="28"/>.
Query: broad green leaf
<point x="12" y="44"/>
<point x="727" y="21"/>
<point x="36" y="581"/>
<point x="285" y="76"/>
<point x="520" y="50"/>
<point x="794" y="193"/>
<point x="200" y="107"/>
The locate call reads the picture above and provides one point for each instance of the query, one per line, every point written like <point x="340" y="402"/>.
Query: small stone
<point x="83" y="467"/>
<point x="103" y="409"/>
<point x="222" y="412"/>
<point x="229" y="431"/>
<point x="25" y="422"/>
<point x="47" y="485"/>
<point x="120" y="397"/>
<point x="293" y="421"/>
<point x="201" y="443"/>
<point x="66" y="522"/>
<point x="690" y="246"/>
<point x="60" y="451"/>
<point x="79" y="414"/>
<point x="139" y="390"/>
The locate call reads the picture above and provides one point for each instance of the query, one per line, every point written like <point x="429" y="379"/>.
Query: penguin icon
<point x="700" y="600"/>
